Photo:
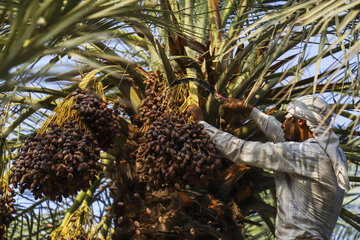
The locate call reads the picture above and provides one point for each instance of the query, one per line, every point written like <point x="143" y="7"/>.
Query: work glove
<point x="196" y="112"/>
<point x="237" y="106"/>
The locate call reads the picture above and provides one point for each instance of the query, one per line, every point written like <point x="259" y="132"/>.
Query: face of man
<point x="291" y="129"/>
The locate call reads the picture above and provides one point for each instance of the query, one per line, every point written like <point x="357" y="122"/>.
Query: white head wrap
<point x="318" y="114"/>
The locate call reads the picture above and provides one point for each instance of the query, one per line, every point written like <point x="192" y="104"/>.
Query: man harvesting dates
<point x="310" y="169"/>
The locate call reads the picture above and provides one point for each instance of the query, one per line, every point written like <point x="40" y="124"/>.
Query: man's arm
<point x="269" y="125"/>
<point x="287" y="157"/>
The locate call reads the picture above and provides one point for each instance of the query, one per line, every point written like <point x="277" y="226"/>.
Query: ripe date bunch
<point x="172" y="150"/>
<point x="58" y="163"/>
<point x="6" y="209"/>
<point x="154" y="105"/>
<point x="176" y="152"/>
<point x="98" y="117"/>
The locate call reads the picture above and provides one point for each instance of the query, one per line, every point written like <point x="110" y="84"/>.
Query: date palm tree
<point x="267" y="52"/>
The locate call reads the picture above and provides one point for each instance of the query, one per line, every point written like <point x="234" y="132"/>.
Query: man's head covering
<point x="318" y="114"/>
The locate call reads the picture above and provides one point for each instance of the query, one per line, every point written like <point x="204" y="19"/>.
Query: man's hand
<point x="237" y="106"/>
<point x="195" y="112"/>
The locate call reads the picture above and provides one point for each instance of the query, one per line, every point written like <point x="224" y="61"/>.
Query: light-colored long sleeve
<point x="269" y="125"/>
<point x="290" y="157"/>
